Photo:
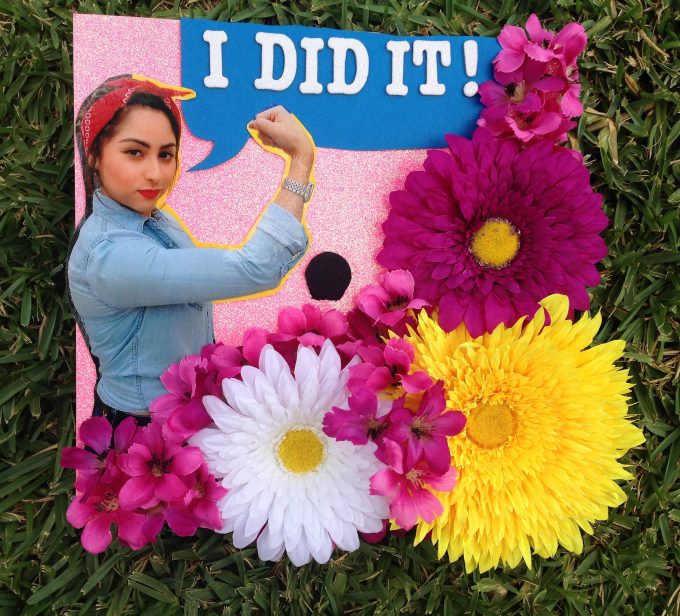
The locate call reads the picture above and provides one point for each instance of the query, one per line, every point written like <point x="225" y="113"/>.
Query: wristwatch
<point x="304" y="190"/>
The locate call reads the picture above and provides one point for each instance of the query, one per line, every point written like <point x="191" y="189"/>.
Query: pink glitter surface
<point x="219" y="205"/>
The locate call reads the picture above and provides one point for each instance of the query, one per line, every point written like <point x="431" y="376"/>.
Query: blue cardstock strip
<point x="369" y="119"/>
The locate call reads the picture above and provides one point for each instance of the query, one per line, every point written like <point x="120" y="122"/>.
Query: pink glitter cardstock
<point x="220" y="205"/>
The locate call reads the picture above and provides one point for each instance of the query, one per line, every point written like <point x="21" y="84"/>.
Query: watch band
<point x="303" y="190"/>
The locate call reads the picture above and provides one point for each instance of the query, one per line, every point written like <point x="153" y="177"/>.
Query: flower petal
<point x="124" y="433"/>
<point x="78" y="512"/>
<point x="74" y="457"/>
<point x="131" y="530"/>
<point x="170" y="488"/>
<point x="136" y="492"/>
<point x="186" y="461"/>
<point x="181" y="522"/>
<point x="96" y="433"/>
<point x="96" y="535"/>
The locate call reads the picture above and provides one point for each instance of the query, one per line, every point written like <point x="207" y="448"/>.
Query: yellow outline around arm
<point x="280" y="153"/>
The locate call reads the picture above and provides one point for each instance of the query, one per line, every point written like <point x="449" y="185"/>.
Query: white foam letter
<point x="340" y="46"/>
<point x="266" y="81"/>
<point x="432" y="87"/>
<point x="397" y="87"/>
<point x="311" y="84"/>
<point x="215" y="40"/>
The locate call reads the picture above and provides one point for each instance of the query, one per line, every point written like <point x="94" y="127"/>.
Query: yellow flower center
<point x="495" y="244"/>
<point x="300" y="450"/>
<point x="490" y="426"/>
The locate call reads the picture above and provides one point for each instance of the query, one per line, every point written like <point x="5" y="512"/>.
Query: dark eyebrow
<point x="146" y="145"/>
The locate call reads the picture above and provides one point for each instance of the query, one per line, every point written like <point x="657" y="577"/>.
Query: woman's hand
<point x="280" y="129"/>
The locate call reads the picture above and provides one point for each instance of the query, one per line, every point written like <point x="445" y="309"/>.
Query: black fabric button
<point x="328" y="275"/>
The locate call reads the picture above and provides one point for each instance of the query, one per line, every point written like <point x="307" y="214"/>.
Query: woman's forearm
<point x="300" y="171"/>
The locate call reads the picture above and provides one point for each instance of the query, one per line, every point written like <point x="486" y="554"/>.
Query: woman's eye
<point x="167" y="155"/>
<point x="133" y="152"/>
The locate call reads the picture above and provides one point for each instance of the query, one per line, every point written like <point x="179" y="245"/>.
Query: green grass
<point x="630" y="137"/>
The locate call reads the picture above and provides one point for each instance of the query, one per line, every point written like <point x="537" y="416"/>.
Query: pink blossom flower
<point x="389" y="302"/>
<point x="429" y="428"/>
<point x="95" y="433"/>
<point x="367" y="419"/>
<point x="95" y="465"/>
<point x="309" y="326"/>
<point x="540" y="46"/>
<point x="181" y="412"/>
<point x="222" y="361"/>
<point x="254" y="340"/>
<point x="362" y="331"/>
<point x="536" y="89"/>
<point x="386" y="369"/>
<point x="198" y="507"/>
<point x="156" y="467"/>
<point x="96" y="513"/>
<point x="154" y="519"/>
<point x="407" y="486"/>
<point x="529" y="112"/>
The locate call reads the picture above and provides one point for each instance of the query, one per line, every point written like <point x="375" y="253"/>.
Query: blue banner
<point x="351" y="90"/>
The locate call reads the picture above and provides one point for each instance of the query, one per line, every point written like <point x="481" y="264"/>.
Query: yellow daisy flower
<point x="546" y="424"/>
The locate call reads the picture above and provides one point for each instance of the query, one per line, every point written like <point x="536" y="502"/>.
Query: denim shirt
<point x="143" y="290"/>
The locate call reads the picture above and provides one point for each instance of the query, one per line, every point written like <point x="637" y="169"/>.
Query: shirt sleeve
<point x="136" y="271"/>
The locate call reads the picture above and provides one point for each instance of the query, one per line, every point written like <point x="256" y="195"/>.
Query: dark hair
<point x="141" y="99"/>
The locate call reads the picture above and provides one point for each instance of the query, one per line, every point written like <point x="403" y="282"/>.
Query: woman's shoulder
<point x="89" y="231"/>
<point x="97" y="229"/>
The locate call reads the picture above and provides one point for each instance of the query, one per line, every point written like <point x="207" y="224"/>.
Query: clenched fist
<point x="280" y="129"/>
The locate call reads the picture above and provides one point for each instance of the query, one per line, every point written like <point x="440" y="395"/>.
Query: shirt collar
<point x="121" y="215"/>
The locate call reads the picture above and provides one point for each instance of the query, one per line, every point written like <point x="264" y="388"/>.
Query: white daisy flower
<point x="291" y="487"/>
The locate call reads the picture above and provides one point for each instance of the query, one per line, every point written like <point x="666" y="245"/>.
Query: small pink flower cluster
<point x="388" y="306"/>
<point x="410" y="442"/>
<point x="536" y="89"/>
<point x="381" y="307"/>
<point x="181" y="411"/>
<point x="138" y="484"/>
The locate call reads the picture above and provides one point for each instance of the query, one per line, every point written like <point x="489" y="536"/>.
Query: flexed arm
<point x="277" y="128"/>
<point x="127" y="270"/>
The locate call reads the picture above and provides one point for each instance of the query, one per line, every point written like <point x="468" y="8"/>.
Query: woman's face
<point x="139" y="160"/>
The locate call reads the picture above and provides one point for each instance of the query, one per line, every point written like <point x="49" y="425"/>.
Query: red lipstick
<point x="149" y="194"/>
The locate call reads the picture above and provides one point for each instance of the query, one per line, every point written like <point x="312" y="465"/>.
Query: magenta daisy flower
<point x="488" y="230"/>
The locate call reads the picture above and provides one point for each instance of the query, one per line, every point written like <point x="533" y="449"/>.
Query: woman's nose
<point x="152" y="169"/>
